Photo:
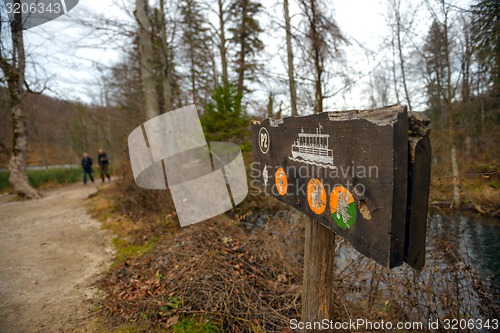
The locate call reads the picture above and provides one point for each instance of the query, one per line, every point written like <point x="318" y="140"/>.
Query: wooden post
<point x="322" y="165"/>
<point x="319" y="268"/>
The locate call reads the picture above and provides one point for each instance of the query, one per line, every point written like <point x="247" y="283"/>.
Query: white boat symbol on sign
<point x="312" y="148"/>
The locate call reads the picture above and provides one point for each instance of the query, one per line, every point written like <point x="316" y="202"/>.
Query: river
<point x="461" y="278"/>
<point x="478" y="237"/>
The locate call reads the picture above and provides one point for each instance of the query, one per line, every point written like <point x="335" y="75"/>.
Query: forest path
<point x="51" y="252"/>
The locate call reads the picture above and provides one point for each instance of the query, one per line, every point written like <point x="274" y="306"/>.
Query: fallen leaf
<point x="172" y="321"/>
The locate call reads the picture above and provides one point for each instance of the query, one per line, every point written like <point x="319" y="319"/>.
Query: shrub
<point x="224" y="119"/>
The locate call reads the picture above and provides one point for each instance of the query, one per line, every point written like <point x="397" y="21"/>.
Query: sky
<point x="68" y="58"/>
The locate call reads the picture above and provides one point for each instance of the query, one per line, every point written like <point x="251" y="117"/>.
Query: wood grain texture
<point x="419" y="172"/>
<point x="373" y="141"/>
<point x="319" y="269"/>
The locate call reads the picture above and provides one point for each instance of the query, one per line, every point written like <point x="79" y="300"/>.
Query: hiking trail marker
<point x="362" y="174"/>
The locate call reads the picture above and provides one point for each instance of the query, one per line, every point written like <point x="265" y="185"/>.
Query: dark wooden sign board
<point x="363" y="174"/>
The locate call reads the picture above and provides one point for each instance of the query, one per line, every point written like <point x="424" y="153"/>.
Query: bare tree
<point x="195" y="43"/>
<point x="166" y="72"/>
<point x="13" y="66"/>
<point x="289" y="52"/>
<point x="323" y="36"/>
<point x="394" y="71"/>
<point x="222" y="41"/>
<point x="379" y="87"/>
<point x="466" y="57"/>
<point x="438" y="51"/>
<point x="147" y="59"/>
<point x="398" y="35"/>
<point x="245" y="34"/>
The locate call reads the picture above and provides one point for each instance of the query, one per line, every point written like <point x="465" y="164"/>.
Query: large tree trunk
<point x="289" y="51"/>
<point x="222" y="46"/>
<point x="15" y="80"/>
<point x="146" y="53"/>
<point x="17" y="165"/>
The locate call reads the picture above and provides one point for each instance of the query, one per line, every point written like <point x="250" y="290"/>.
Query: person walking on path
<point x="87" y="168"/>
<point x="102" y="160"/>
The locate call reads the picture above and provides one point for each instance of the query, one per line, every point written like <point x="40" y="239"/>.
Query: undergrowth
<point x="242" y="271"/>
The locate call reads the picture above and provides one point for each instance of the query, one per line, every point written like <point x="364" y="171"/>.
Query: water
<point x="461" y="249"/>
<point x="473" y="237"/>
<point x="476" y="236"/>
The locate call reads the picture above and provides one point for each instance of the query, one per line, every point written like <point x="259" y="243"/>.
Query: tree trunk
<point x="289" y="51"/>
<point x="451" y="124"/>
<point x="454" y="162"/>
<point x="222" y="46"/>
<point x="18" y="177"/>
<point x="193" y="75"/>
<point x="270" y="105"/>
<point x="14" y="72"/>
<point x="318" y="66"/>
<point x="166" y="77"/>
<point x="456" y="177"/>
<point x="400" y="53"/>
<point x="318" y="89"/>
<point x="394" y="77"/>
<point x="215" y="72"/>
<point x="466" y="64"/>
<point x="243" y="49"/>
<point x="146" y="54"/>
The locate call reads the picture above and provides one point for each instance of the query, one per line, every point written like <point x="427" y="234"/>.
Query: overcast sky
<point x="71" y="71"/>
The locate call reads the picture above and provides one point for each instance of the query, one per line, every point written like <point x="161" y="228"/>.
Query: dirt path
<point x="51" y="252"/>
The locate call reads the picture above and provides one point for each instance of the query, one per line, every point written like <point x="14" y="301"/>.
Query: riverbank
<point x="479" y="191"/>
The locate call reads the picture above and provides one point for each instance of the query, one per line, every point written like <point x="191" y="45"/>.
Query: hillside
<point x="60" y="131"/>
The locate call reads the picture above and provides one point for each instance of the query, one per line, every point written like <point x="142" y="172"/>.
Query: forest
<point x="245" y="60"/>
<point x="436" y="57"/>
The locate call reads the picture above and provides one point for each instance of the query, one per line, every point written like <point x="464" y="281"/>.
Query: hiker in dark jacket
<point x="87" y="168"/>
<point x="102" y="160"/>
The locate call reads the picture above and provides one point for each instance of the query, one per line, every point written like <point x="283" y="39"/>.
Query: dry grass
<point x="240" y="281"/>
<point x="242" y="272"/>
<point x="251" y="280"/>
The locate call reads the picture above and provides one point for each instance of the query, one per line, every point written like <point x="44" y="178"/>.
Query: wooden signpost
<point x="361" y="174"/>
